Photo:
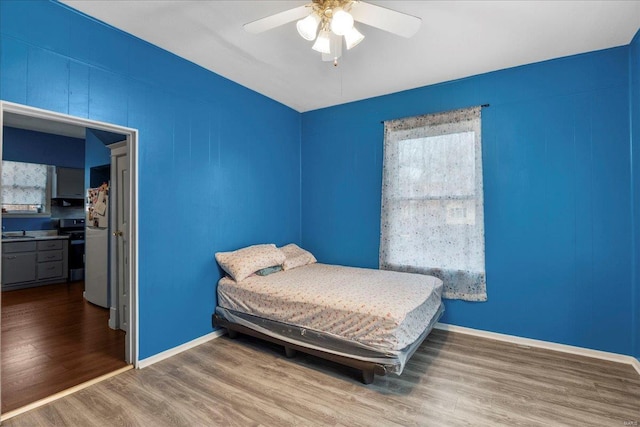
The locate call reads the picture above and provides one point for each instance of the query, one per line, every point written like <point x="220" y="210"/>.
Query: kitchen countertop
<point x="30" y="236"/>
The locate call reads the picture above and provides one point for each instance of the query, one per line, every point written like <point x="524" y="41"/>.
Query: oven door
<point x="76" y="259"/>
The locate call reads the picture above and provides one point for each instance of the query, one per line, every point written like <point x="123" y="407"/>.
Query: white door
<point x="120" y="281"/>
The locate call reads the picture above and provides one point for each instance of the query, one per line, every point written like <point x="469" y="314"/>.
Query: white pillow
<point x="296" y="256"/>
<point x="244" y="262"/>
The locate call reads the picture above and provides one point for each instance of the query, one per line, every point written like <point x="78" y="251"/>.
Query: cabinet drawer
<point x="48" y="256"/>
<point x="49" y="270"/>
<point x="17" y="268"/>
<point x="45" y="245"/>
<point x="12" y="247"/>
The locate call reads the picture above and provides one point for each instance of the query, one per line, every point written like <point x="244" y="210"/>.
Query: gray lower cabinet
<point x="34" y="263"/>
<point x="17" y="268"/>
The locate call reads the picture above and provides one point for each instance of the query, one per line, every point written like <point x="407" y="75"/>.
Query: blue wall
<point x="556" y="181"/>
<point x="96" y="154"/>
<point x="219" y="168"/>
<point x="21" y="145"/>
<point x="219" y="165"/>
<point x="634" y="84"/>
<point x="27" y="224"/>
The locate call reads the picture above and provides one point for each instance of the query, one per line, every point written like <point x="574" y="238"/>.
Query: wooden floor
<point x="52" y="339"/>
<point x="452" y="380"/>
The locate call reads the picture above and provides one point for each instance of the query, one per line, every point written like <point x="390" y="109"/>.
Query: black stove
<point x="74" y="228"/>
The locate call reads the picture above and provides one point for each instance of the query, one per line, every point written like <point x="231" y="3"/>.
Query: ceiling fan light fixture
<point x="341" y="22"/>
<point x="335" y="45"/>
<point x="308" y="27"/>
<point x="353" y="37"/>
<point x="326" y="22"/>
<point x="323" y="43"/>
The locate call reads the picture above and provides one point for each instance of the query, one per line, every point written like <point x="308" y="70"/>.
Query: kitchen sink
<point x="17" y="237"/>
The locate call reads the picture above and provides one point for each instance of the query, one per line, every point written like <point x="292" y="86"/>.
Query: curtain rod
<point x="481" y="106"/>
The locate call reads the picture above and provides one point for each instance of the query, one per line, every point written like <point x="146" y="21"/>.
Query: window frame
<point x="419" y="232"/>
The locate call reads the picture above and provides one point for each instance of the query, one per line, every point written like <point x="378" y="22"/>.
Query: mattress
<point x="384" y="311"/>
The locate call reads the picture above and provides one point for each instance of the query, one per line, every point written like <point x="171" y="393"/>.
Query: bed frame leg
<point x="367" y="376"/>
<point x="289" y="352"/>
<point x="232" y="334"/>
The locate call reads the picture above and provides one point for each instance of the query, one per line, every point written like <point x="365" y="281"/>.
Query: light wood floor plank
<point x="452" y="380"/>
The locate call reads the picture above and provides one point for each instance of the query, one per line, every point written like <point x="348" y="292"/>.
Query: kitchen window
<point x="26" y="189"/>
<point x="432" y="218"/>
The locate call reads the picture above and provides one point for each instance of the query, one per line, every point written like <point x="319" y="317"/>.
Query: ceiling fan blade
<point x="386" y="19"/>
<point x="278" y="19"/>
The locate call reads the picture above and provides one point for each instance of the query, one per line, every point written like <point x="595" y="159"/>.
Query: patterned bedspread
<point x="385" y="310"/>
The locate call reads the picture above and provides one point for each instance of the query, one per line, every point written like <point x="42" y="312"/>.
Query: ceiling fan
<point x="328" y="21"/>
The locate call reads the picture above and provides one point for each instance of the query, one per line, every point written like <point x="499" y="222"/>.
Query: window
<point x="25" y="188"/>
<point x="432" y="203"/>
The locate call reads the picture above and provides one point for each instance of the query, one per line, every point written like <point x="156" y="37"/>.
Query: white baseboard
<point x="564" y="348"/>
<point x="179" y="349"/>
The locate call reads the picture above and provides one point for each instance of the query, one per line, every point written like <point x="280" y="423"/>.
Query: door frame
<point x="132" y="144"/>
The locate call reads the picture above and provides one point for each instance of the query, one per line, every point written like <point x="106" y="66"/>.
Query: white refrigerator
<point x="96" y="250"/>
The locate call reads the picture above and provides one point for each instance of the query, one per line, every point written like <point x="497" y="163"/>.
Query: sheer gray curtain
<point x="24" y="185"/>
<point x="432" y="218"/>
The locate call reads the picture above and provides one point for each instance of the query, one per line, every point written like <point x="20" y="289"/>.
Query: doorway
<point x="123" y="240"/>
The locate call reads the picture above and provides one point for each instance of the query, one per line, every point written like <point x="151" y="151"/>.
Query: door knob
<point x="117" y="233"/>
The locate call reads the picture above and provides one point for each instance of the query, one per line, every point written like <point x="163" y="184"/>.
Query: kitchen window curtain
<point x="24" y="185"/>
<point x="432" y="219"/>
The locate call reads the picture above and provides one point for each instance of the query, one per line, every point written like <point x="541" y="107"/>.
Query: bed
<point x="371" y="320"/>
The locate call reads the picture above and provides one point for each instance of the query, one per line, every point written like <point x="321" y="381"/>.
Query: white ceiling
<point x="457" y="39"/>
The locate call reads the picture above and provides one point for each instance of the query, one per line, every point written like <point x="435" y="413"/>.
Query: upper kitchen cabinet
<point x="68" y="183"/>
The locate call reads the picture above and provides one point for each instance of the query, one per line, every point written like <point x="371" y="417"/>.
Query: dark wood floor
<point x="452" y="380"/>
<point x="52" y="339"/>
